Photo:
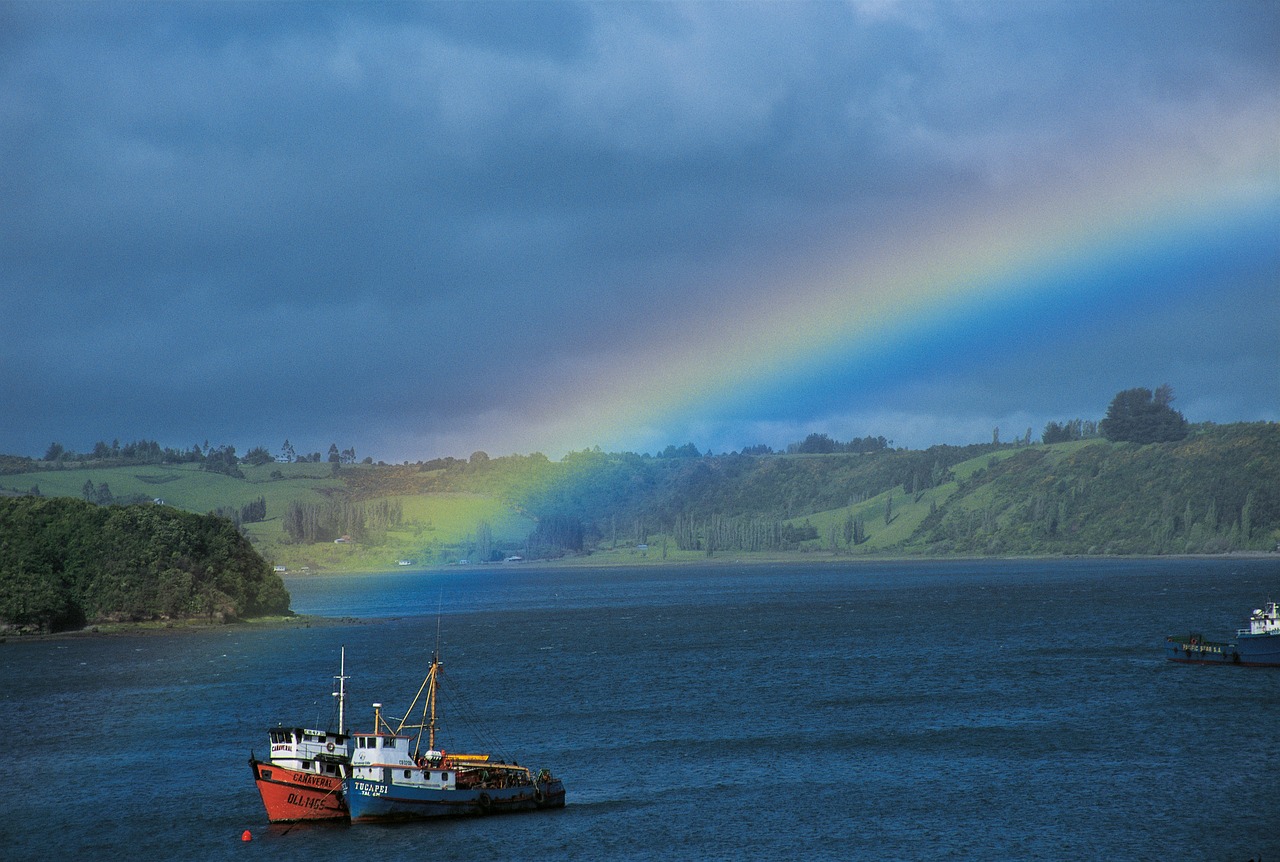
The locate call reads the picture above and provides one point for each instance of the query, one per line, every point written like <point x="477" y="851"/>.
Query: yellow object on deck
<point x="469" y="758"/>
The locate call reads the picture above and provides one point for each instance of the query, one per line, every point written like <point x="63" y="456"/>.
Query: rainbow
<point x="878" y="308"/>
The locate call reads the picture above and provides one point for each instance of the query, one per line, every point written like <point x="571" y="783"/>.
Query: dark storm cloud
<point x="251" y="220"/>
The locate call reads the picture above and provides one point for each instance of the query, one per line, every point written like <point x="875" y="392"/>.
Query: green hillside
<point x="1216" y="490"/>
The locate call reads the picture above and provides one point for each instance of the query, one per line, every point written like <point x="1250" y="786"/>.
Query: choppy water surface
<point x="969" y="710"/>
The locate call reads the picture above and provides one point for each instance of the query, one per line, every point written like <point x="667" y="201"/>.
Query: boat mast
<point x="428" y="688"/>
<point x="431" y="693"/>
<point x="341" y="693"/>
<point x="431" y="699"/>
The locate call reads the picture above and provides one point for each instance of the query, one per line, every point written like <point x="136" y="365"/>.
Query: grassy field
<point x="433" y="524"/>
<point x="185" y="486"/>
<point x="434" y="527"/>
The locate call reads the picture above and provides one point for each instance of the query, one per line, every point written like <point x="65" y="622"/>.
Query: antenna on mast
<point x="341" y="693"/>
<point x="439" y="613"/>
<point x="434" y="676"/>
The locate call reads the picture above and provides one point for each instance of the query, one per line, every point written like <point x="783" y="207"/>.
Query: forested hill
<point x="65" y="563"/>
<point x="1216" y="490"/>
<point x="1209" y="489"/>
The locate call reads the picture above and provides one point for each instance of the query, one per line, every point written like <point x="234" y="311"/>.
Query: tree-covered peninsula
<point x="65" y="563"/>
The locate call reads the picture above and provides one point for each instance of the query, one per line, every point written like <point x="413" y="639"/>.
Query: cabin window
<point x="407" y="773"/>
<point x="306" y="764"/>
<point x="444" y="776"/>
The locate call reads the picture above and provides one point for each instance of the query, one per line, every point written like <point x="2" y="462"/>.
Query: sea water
<point x="977" y="710"/>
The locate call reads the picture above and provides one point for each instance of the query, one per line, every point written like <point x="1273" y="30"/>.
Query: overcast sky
<point x="426" y="229"/>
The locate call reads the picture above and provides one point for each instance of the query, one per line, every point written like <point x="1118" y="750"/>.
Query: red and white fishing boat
<point x="302" y="779"/>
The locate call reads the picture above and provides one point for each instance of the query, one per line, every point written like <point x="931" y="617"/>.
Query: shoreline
<point x="619" y="559"/>
<point x="604" y="560"/>
<point x="153" y="628"/>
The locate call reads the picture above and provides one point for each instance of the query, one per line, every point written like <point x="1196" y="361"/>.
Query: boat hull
<point x="1247" y="651"/>
<point x="291" y="795"/>
<point x="1196" y="650"/>
<point x="377" y="801"/>
<point x="1259" y="650"/>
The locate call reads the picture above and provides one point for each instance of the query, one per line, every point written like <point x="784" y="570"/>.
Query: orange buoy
<point x="247" y="836"/>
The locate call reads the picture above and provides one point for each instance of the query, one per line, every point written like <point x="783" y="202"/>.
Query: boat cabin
<point x="301" y="748"/>
<point x="1264" y="621"/>
<point x="387" y="758"/>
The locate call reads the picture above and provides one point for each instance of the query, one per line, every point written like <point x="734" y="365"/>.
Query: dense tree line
<point x="253" y="512"/>
<point x="1065" y="432"/>
<point x="483" y="548"/>
<point x="66" y="562"/>
<point x="720" y="533"/>
<point x="102" y="495"/>
<point x="307" y="523"/>
<point x="1142" y="416"/>
<point x="289" y="454"/>
<point x="257" y="456"/>
<point x="821" y="444"/>
<point x="556" y="535"/>
<point x="222" y="460"/>
<point x="137" y="452"/>
<point x="219" y="459"/>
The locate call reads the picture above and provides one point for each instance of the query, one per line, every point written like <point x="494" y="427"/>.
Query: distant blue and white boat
<point x="1255" y="646"/>
<point x="393" y="777"/>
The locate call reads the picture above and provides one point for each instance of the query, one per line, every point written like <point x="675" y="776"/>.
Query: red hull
<point x="291" y="795"/>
